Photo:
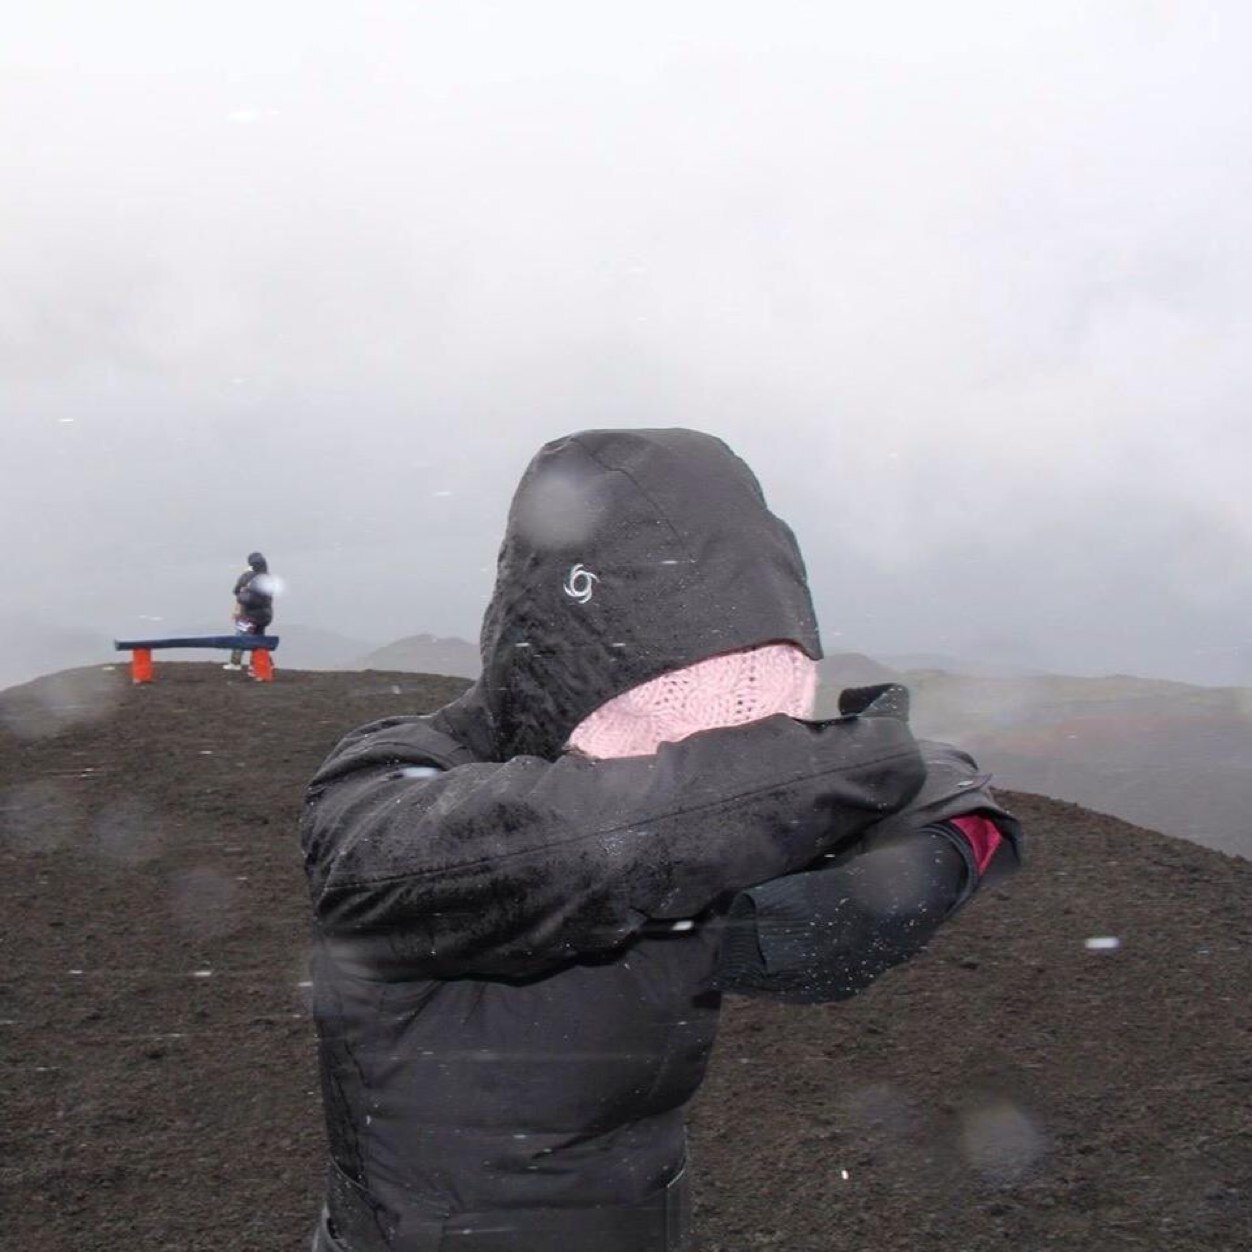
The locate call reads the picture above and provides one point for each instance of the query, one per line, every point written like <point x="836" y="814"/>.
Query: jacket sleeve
<point x="508" y="869"/>
<point x="829" y="932"/>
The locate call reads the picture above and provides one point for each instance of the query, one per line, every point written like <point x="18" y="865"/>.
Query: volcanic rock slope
<point x="1067" y="1067"/>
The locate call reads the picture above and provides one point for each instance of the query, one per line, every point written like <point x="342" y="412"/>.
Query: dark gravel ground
<point x="1013" y="1088"/>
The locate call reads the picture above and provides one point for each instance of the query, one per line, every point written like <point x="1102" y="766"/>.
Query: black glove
<point x="881" y="700"/>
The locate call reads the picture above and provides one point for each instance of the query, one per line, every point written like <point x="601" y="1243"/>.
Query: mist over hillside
<point x="1169" y="756"/>
<point x="426" y="654"/>
<point x="33" y="647"/>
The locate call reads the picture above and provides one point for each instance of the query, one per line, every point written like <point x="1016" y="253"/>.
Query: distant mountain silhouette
<point x="913" y="661"/>
<point x="310" y="647"/>
<point x="853" y="669"/>
<point x="426" y="654"/>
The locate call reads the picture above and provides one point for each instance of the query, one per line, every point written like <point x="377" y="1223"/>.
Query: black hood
<point x="628" y="553"/>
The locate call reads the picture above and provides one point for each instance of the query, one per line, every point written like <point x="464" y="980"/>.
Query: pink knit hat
<point x="726" y="690"/>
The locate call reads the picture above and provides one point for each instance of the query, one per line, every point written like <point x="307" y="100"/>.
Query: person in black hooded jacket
<point x="254" y="603"/>
<point x="528" y="905"/>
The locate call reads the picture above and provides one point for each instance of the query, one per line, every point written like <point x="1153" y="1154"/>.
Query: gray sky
<point x="967" y="284"/>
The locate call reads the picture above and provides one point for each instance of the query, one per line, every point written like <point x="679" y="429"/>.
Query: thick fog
<point x="967" y="284"/>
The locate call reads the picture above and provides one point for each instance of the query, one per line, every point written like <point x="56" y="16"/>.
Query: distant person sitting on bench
<point x="254" y="604"/>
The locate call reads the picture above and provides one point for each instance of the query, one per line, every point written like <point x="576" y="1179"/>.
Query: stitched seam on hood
<point x="660" y="512"/>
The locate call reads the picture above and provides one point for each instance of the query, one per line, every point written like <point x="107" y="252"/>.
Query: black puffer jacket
<point x="510" y="1020"/>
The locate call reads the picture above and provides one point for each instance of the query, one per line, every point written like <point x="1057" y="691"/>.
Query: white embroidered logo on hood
<point x="579" y="583"/>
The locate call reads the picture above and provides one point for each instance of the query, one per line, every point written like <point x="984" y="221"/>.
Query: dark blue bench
<point x="141" y="670"/>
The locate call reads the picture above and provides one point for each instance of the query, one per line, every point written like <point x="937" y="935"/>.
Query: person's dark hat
<point x="256" y="560"/>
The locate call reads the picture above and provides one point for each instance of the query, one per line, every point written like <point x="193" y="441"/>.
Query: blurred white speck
<point x="62" y="700"/>
<point x="304" y="984"/>
<point x="76" y="971"/>
<point x="204" y="902"/>
<point x="202" y="973"/>
<point x="65" y="421"/>
<point x="683" y="925"/>
<point x="1001" y="1140"/>
<point x="419" y="771"/>
<point x="395" y="690"/>
<point x="126" y="833"/>
<point x="270" y="584"/>
<point x="241" y="877"/>
<point x="1102" y="943"/>
<point x="843" y="1173"/>
<point x="206" y="751"/>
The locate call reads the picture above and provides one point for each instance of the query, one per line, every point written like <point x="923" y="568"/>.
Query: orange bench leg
<point x="141" y="665"/>
<point x="262" y="665"/>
